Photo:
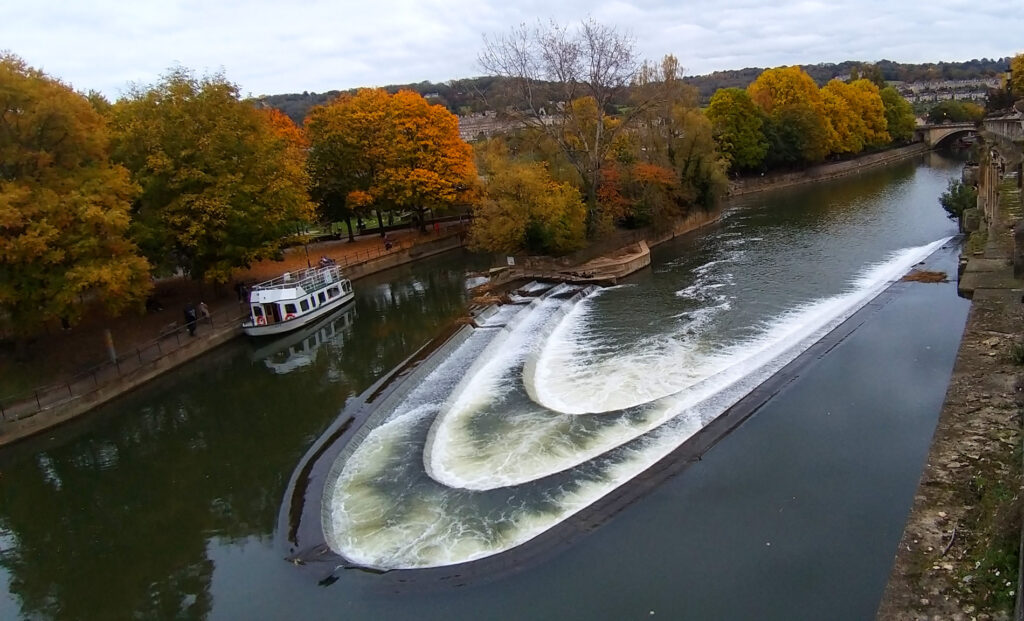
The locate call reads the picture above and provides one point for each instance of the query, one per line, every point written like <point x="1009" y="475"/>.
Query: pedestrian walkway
<point x="81" y="364"/>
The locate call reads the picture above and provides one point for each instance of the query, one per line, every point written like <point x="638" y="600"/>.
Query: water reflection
<point x="300" y="348"/>
<point x="165" y="504"/>
<point x="119" y="520"/>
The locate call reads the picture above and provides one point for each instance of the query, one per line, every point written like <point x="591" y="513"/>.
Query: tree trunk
<point x="421" y="215"/>
<point x="380" y="223"/>
<point x="348" y="222"/>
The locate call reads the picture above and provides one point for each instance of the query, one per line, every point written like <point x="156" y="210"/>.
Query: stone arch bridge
<point x="932" y="135"/>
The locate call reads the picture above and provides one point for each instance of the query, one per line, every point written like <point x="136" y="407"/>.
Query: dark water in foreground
<point x="167" y="503"/>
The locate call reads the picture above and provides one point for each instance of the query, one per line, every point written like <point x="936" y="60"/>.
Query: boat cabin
<point x="293" y="295"/>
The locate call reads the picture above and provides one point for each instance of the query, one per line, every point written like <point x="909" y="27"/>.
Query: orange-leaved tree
<point x="348" y="148"/>
<point x="429" y="165"/>
<point x="375" y="150"/>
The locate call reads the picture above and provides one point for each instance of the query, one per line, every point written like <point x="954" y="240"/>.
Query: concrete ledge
<point x="11" y="431"/>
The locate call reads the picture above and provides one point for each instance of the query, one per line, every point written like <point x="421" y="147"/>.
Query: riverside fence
<point x="171" y="339"/>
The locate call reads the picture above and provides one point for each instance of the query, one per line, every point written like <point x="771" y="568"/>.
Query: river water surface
<point x="172" y="501"/>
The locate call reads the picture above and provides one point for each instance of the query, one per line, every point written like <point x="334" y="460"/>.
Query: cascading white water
<point x="527" y="436"/>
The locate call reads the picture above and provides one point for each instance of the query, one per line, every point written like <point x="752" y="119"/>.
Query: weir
<point x="507" y="433"/>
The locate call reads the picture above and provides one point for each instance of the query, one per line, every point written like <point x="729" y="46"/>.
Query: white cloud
<point x="318" y="45"/>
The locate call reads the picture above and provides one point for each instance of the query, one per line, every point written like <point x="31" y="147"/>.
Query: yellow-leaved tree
<point x="64" y="208"/>
<point x="797" y="129"/>
<point x="523" y="208"/>
<point x="1017" y="76"/>
<point x="856" y="116"/>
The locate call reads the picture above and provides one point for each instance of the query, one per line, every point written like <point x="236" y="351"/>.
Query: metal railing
<point x="310" y="279"/>
<point x="172" y="338"/>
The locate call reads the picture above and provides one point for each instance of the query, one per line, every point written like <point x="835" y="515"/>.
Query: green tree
<point x="221" y="187"/>
<point x="737" y="125"/>
<point x="64" y="208"/>
<point x="958" y="197"/>
<point x="796" y="134"/>
<point x="955" y="111"/>
<point x="899" y="115"/>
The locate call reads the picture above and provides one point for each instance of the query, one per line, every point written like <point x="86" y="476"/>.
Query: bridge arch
<point x="933" y="135"/>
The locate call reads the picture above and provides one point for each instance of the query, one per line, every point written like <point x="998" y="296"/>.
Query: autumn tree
<point x="222" y="183"/>
<point x="548" y="68"/>
<point x="64" y="208"/>
<point x="429" y="165"/>
<point x="375" y="150"/>
<point x="523" y="208"/>
<point x="348" y="148"/>
<point x="1016" y="82"/>
<point x="798" y="129"/>
<point x="737" y="125"/>
<point x="855" y="114"/>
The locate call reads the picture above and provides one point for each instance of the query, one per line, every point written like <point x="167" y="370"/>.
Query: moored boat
<point x="295" y="299"/>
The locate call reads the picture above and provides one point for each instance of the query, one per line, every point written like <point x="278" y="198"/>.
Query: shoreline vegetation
<point x="605" y="258"/>
<point x="185" y="176"/>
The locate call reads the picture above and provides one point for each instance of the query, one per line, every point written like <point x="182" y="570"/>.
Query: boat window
<point x="257" y="311"/>
<point x="347" y="287"/>
<point x="333" y="292"/>
<point x="289" y="309"/>
<point x="323" y="298"/>
<point x="304" y="305"/>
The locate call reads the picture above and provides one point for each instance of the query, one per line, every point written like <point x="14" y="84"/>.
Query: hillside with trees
<point x="463" y="96"/>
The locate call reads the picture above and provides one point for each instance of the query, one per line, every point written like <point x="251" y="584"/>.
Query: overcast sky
<point x="318" y="45"/>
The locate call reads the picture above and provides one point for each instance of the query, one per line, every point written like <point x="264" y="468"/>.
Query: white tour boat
<point x="295" y="299"/>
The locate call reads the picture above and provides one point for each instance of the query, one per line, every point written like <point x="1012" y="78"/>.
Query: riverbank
<point x="959" y="554"/>
<point x="604" y="263"/>
<point x="139" y="363"/>
<point x="824" y="172"/>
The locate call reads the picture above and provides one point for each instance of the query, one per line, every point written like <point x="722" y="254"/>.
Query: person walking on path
<point x="190" y="319"/>
<point x="204" y="312"/>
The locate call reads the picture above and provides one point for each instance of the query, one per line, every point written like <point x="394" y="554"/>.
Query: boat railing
<point x="310" y="279"/>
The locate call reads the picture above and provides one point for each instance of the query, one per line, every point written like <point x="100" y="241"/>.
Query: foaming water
<point x="516" y="435"/>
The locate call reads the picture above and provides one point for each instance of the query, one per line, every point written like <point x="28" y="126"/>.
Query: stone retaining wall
<point x="825" y="171"/>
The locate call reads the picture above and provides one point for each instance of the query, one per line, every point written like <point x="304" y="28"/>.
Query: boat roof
<point x="309" y="279"/>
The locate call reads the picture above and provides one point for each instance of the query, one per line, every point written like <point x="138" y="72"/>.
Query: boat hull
<point x="282" y="327"/>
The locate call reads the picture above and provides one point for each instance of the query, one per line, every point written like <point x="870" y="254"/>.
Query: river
<point x="177" y="500"/>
